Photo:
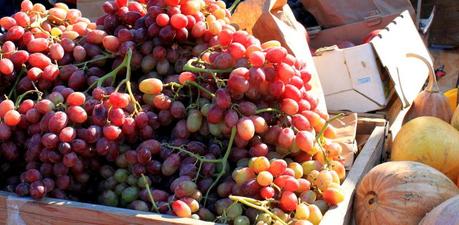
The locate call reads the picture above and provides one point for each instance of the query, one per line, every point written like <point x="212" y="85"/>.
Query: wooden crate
<point x="374" y="130"/>
<point x="25" y="211"/>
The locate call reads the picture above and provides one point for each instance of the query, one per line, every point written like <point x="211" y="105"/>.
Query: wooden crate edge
<point x="20" y="210"/>
<point x="369" y="157"/>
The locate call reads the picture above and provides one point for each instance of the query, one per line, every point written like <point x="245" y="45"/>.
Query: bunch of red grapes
<point x="163" y="106"/>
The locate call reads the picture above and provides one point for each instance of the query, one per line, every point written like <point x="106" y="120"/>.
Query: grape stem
<point x="113" y="73"/>
<point x="150" y="196"/>
<point x="267" y="110"/>
<point x="126" y="81"/>
<point x="319" y="136"/>
<point x="233" y="6"/>
<point x="252" y="203"/>
<point x="194" y="84"/>
<point x="189" y="67"/>
<point x="13" y="89"/>
<point x="107" y="56"/>
<point x="224" y="162"/>
<point x="197" y="157"/>
<point x="19" y="99"/>
<point x="189" y="83"/>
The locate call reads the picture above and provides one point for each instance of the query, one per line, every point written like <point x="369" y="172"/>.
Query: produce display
<point x="400" y="193"/>
<point x="445" y="213"/>
<point x="163" y="106"/>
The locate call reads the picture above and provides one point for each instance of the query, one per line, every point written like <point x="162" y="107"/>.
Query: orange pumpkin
<point x="444" y="214"/>
<point x="402" y="192"/>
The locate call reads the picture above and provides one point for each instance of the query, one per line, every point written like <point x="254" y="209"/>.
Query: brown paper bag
<point x="346" y="130"/>
<point x="274" y="20"/>
<point x="332" y="13"/>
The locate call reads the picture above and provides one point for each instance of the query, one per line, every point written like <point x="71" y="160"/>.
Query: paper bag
<point x="274" y="20"/>
<point x="332" y="13"/>
<point x="346" y="130"/>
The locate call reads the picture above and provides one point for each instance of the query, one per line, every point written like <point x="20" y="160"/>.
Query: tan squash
<point x="431" y="141"/>
<point x="429" y="102"/>
<point x="447" y="213"/>
<point x="400" y="193"/>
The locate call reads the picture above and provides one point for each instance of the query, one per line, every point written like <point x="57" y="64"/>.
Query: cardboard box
<point x="364" y="77"/>
<point x="91" y="9"/>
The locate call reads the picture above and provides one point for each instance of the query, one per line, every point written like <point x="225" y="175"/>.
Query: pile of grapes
<point x="163" y="106"/>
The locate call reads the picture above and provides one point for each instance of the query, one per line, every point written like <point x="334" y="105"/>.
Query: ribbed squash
<point x="400" y="193"/>
<point x="447" y="213"/>
<point x="431" y="141"/>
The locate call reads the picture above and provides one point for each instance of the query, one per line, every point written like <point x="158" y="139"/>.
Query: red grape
<point x="7" y="22"/>
<point x="38" y="45"/>
<point x="6" y="67"/>
<point x="5" y="106"/>
<point x="56" y="51"/>
<point x="77" y="114"/>
<point x="76" y="99"/>
<point x="119" y="100"/>
<point x="12" y="118"/>
<point x="39" y="60"/>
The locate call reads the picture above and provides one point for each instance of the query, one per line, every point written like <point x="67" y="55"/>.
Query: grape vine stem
<point x="197" y="157"/>
<point x="19" y="99"/>
<point x="251" y="203"/>
<point x="108" y="56"/>
<point x="13" y="89"/>
<point x="224" y="162"/>
<point x="319" y="136"/>
<point x="267" y="110"/>
<point x="189" y="67"/>
<point x="150" y="196"/>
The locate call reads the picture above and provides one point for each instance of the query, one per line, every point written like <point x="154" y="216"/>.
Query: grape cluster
<point x="37" y="41"/>
<point x="163" y="106"/>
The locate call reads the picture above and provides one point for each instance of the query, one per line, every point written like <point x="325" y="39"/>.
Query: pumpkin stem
<point x="371" y="199"/>
<point x="432" y="86"/>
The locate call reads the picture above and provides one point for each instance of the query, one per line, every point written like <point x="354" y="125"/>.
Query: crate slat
<point x="369" y="157"/>
<point x="25" y="211"/>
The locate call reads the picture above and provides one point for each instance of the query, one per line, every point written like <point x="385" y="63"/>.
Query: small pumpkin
<point x="402" y="192"/>
<point x="444" y="214"/>
<point x="429" y="102"/>
<point x="429" y="140"/>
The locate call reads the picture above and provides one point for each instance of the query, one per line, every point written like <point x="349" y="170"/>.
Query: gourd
<point x="429" y="102"/>
<point x="431" y="141"/>
<point x="444" y="214"/>
<point x="402" y="192"/>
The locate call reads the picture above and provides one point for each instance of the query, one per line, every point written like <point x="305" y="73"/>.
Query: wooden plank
<point x="369" y="157"/>
<point x="21" y="211"/>
<point x="397" y="124"/>
<point x="367" y="125"/>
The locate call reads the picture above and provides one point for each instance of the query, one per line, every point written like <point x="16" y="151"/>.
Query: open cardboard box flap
<point x="352" y="78"/>
<point x="392" y="45"/>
